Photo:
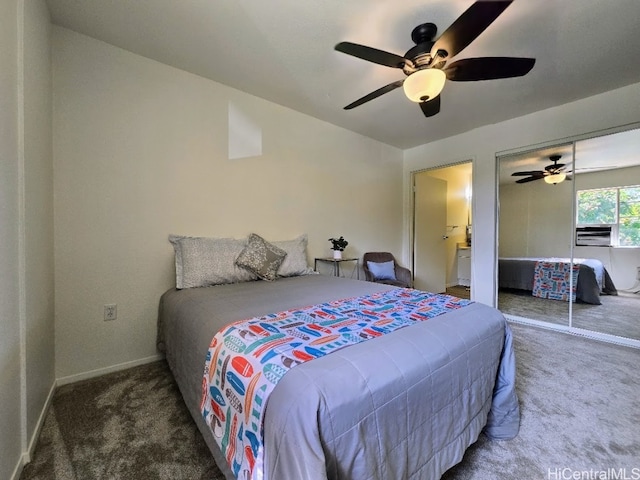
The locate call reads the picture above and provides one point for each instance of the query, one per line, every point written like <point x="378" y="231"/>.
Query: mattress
<point x="404" y="405"/>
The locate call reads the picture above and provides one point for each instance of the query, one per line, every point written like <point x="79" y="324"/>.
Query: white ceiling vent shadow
<point x="245" y="135"/>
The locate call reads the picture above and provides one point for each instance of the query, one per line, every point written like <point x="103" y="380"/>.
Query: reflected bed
<point x="592" y="281"/>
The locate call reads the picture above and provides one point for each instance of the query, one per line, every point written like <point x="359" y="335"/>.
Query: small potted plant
<point x="338" y="245"/>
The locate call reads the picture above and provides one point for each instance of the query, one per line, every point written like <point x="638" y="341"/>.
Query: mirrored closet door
<point x="535" y="224"/>
<point x="569" y="229"/>
<point x="607" y="192"/>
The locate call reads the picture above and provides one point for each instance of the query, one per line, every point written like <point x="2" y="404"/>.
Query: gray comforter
<point x="402" y="406"/>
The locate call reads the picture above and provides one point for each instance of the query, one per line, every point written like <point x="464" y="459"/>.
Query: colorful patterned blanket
<point x="554" y="280"/>
<point x="247" y="358"/>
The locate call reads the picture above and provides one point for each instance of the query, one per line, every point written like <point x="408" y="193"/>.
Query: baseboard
<point x="28" y="455"/>
<point x="19" y="467"/>
<point x="103" y="371"/>
<point x="591" y="335"/>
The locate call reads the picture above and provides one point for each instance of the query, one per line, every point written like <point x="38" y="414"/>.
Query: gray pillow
<point x="295" y="263"/>
<point x="261" y="258"/>
<point x="203" y="261"/>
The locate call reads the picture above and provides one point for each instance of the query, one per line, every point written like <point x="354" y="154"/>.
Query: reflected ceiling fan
<point x="425" y="64"/>
<point x="552" y="174"/>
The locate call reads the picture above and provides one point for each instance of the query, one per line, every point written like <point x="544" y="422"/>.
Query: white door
<point x="429" y="237"/>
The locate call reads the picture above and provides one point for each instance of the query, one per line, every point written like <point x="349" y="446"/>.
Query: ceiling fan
<point x="425" y="63"/>
<point x="552" y="174"/>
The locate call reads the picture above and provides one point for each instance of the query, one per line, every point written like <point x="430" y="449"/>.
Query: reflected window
<point x="611" y="216"/>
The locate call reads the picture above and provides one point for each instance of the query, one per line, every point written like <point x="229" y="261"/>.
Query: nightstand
<point x="336" y="265"/>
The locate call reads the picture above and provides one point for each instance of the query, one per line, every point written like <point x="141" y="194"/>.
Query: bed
<point x="403" y="405"/>
<point x="593" y="279"/>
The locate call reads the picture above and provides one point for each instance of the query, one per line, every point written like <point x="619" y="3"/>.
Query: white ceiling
<point x="282" y="51"/>
<point x="606" y="152"/>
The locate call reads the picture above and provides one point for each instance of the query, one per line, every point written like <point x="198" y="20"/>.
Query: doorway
<point x="441" y="243"/>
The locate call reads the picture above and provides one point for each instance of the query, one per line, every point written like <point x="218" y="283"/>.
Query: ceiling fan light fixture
<point x="424" y="85"/>
<point x="555" y="178"/>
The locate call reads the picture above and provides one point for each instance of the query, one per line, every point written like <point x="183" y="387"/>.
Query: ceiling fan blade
<point x="372" y="54"/>
<point x="375" y="94"/>
<point x="468" y="26"/>
<point x="430" y="108"/>
<point x="556" y="167"/>
<point x="488" y="68"/>
<point x="524" y="174"/>
<point x="530" y="179"/>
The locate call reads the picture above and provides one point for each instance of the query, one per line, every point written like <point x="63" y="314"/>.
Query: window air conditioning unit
<point x="594" y="236"/>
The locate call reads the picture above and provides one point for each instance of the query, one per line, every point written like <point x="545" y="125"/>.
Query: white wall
<point x="26" y="229"/>
<point x="38" y="215"/>
<point x="10" y="427"/>
<point x="614" y="108"/>
<point x="536" y="219"/>
<point x="140" y="151"/>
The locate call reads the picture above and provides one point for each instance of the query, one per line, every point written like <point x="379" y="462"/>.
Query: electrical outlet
<point x="110" y="311"/>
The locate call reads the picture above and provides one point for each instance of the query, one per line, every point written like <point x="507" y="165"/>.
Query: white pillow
<point x="295" y="263"/>
<point x="202" y="261"/>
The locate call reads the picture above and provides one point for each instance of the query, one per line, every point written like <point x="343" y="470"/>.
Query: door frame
<point x="412" y="209"/>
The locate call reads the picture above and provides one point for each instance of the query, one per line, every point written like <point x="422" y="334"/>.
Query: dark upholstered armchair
<point x="402" y="274"/>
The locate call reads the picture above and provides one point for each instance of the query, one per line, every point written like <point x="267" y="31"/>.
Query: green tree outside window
<point x="629" y="229"/>
<point x="597" y="207"/>
<point x="612" y="206"/>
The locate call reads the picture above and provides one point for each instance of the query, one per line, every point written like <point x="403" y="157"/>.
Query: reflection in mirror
<point x="591" y="217"/>
<point x="535" y="233"/>
<point x="607" y="184"/>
